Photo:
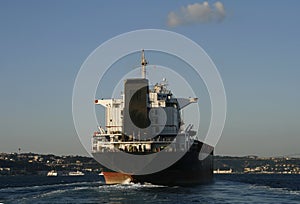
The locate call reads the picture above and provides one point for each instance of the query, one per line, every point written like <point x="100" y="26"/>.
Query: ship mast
<point x="143" y="63"/>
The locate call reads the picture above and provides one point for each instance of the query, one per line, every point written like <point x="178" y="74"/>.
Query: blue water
<point x="91" y="189"/>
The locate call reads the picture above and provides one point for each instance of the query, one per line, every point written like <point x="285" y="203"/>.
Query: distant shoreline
<point x="40" y="164"/>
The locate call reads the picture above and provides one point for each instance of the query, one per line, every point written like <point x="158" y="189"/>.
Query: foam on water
<point x="277" y="190"/>
<point x="130" y="186"/>
<point x="27" y="194"/>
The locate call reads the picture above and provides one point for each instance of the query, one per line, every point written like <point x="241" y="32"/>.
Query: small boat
<point x="52" y="173"/>
<point x="76" y="173"/>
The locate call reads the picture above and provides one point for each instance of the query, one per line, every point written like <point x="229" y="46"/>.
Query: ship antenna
<point x="144" y="63"/>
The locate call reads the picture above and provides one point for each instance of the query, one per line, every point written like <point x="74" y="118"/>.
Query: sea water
<point x="237" y="188"/>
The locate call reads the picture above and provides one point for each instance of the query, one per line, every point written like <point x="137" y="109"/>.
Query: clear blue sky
<point x="255" y="47"/>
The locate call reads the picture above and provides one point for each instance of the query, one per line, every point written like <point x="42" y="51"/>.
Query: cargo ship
<point x="147" y="120"/>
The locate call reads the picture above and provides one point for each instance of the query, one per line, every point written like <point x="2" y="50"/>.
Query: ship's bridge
<point x="113" y="114"/>
<point x="144" y="120"/>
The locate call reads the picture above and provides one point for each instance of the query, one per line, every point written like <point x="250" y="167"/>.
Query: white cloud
<point x="197" y="13"/>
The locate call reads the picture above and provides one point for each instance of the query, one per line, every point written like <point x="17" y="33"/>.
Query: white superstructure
<point x="157" y="105"/>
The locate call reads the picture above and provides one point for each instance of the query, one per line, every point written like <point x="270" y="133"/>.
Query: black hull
<point x="188" y="170"/>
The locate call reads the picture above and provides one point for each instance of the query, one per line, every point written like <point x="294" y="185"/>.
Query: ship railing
<point x="153" y="146"/>
<point x="110" y="143"/>
<point x="135" y="149"/>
